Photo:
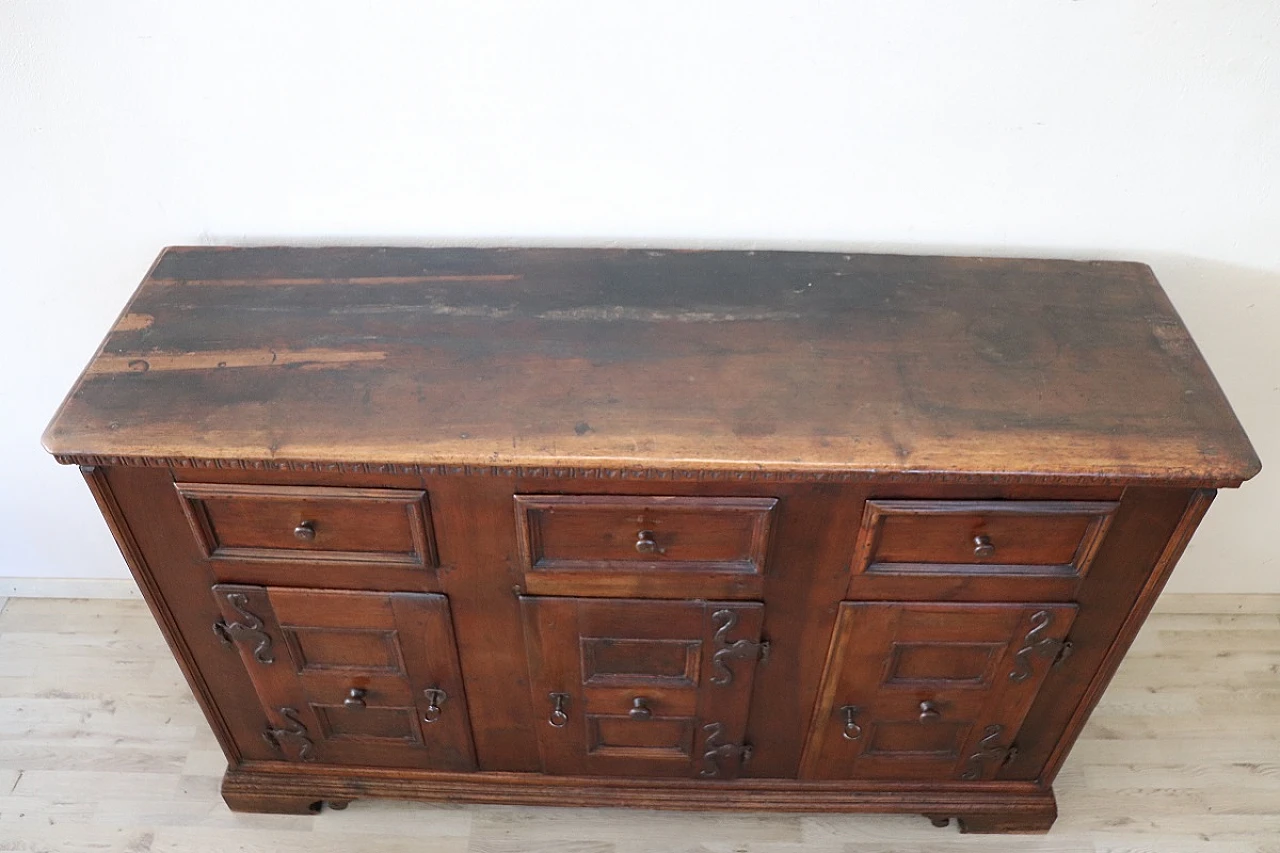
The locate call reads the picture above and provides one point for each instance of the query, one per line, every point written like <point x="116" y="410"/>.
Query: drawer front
<point x="641" y="688"/>
<point x="310" y="524"/>
<point x="929" y="691"/>
<point x="644" y="545"/>
<point x="352" y="678"/>
<point x="977" y="538"/>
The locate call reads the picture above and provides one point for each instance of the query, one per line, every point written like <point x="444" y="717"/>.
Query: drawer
<point x="644" y="545"/>
<point x="973" y="538"/>
<point x="310" y="524"/>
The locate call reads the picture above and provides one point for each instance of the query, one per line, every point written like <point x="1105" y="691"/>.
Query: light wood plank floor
<point x="102" y="748"/>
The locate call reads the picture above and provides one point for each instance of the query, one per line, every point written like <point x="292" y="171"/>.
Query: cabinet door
<point x="357" y="678"/>
<point x="929" y="691"/>
<point x="633" y="687"/>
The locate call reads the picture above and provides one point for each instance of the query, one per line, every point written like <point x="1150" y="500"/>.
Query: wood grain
<point x="460" y="435"/>
<point x="714" y="361"/>
<point x="970" y="664"/>
<point x="74" y="772"/>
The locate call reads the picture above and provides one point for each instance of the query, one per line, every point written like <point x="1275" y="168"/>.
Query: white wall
<point x="1137" y="129"/>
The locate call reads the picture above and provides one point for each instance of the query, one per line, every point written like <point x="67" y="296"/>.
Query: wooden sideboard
<point x="696" y="530"/>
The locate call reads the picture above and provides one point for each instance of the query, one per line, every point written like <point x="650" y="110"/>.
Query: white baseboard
<point x="68" y="588"/>
<point x="1218" y="602"/>
<point x="1173" y="602"/>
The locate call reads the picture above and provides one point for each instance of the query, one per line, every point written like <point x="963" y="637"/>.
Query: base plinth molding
<point x="987" y="807"/>
<point x="1009" y="822"/>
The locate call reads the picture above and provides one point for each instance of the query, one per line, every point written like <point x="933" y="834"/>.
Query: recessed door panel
<point x="631" y="687"/>
<point x="354" y="678"/>
<point x="929" y="691"/>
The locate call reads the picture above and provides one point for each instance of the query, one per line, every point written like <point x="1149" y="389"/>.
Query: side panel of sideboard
<point x="142" y="511"/>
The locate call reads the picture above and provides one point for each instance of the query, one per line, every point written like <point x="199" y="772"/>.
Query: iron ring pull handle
<point x="851" y="731"/>
<point x="558" y="719"/>
<point x="435" y="698"/>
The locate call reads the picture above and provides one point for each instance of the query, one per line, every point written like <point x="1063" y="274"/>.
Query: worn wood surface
<point x="801" y="363"/>
<point x="917" y="690"/>
<point x="644" y="547"/>
<point x="102" y="748"/>
<point x="612" y="659"/>
<point x="344" y="677"/>
<point x="808" y="573"/>
<point x="1042" y="435"/>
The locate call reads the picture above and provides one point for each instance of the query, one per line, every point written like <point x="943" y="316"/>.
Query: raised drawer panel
<point x="975" y="538"/>
<point x="652" y="546"/>
<point x="642" y="688"/>
<point x="310" y="524"/>
<point x="929" y="691"/>
<point x="352" y="678"/>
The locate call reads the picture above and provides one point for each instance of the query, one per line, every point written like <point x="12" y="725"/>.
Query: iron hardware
<point x="851" y="731"/>
<point x="294" y="730"/>
<point x="435" y="698"/>
<point x="715" y="751"/>
<point x="1064" y="652"/>
<point x="559" y="719"/>
<point x="725" y="621"/>
<point x="989" y="749"/>
<point x="1036" y="643"/>
<point x="250" y="628"/>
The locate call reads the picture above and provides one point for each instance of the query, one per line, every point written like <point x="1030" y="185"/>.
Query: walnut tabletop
<point x="815" y="364"/>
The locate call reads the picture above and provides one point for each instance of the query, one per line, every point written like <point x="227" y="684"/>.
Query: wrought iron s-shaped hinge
<point x="725" y="621"/>
<point x="293" y="730"/>
<point x="714" y="751"/>
<point x="250" y="628"/>
<point x="989" y="749"/>
<point x="1036" y="643"/>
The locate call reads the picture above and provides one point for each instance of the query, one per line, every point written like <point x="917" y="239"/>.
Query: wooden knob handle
<point x="306" y="531"/>
<point x="982" y="547"/>
<point x="645" y="542"/>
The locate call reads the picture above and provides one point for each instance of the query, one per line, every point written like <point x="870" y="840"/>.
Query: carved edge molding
<point x="607" y="473"/>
